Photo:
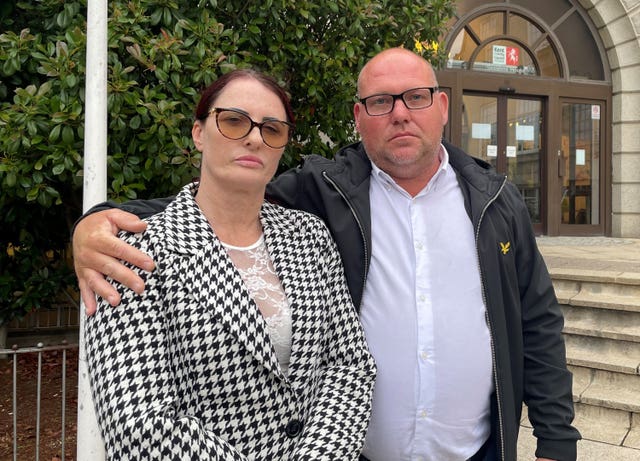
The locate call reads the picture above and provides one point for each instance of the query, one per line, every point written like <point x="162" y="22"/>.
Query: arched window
<point x="554" y="41"/>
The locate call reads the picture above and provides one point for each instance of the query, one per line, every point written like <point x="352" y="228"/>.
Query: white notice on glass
<point x="499" y="54"/>
<point x="492" y="150"/>
<point x="481" y="130"/>
<point x="511" y="151"/>
<point x="524" y="132"/>
<point x="580" y="157"/>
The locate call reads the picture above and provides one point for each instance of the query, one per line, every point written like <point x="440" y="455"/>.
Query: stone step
<point x="602" y="388"/>
<point x="602" y="323"/>
<point x="606" y="425"/>
<point x="600" y="424"/>
<point x="603" y="354"/>
<point x="616" y="291"/>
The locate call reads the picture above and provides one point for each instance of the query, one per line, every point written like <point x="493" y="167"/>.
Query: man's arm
<point x="547" y="381"/>
<point x="97" y="251"/>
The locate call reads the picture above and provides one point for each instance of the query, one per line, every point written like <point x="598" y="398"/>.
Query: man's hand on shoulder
<point x="97" y="252"/>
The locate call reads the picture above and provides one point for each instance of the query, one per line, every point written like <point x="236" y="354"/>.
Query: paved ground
<point x="591" y="253"/>
<point x="619" y="256"/>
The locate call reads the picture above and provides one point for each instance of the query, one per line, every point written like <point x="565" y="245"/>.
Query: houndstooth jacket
<point x="186" y="370"/>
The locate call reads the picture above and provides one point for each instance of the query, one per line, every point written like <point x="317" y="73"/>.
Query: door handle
<point x="562" y="167"/>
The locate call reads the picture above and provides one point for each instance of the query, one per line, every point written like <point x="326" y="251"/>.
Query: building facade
<point x="548" y="92"/>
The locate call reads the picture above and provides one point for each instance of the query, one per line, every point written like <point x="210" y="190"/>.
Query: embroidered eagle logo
<point x="505" y="247"/>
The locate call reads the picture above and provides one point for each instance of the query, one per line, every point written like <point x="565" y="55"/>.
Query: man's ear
<point x="443" y="100"/>
<point x="357" y="107"/>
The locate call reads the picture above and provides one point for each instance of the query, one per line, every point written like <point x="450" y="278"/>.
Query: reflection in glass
<point x="547" y="60"/>
<point x="523" y="29"/>
<point x="511" y="142"/>
<point x="479" y="127"/>
<point x="523" y="152"/>
<point x="488" y="25"/>
<point x="580" y="167"/>
<point x="581" y="49"/>
<point x="461" y="49"/>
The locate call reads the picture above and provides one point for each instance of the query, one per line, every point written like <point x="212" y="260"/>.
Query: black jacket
<point x="524" y="317"/>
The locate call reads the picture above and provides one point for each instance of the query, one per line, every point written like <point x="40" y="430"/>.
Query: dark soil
<point x="50" y="440"/>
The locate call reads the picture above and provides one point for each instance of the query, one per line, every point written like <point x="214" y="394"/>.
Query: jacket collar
<point x="214" y="280"/>
<point x="188" y="232"/>
<point x="478" y="180"/>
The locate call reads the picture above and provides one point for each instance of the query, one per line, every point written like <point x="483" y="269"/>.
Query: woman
<point x="244" y="344"/>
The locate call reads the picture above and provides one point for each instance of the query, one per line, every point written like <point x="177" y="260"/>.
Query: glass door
<point x="580" y="165"/>
<point x="507" y="132"/>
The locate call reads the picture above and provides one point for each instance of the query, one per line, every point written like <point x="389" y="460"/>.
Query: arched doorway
<point x="530" y="93"/>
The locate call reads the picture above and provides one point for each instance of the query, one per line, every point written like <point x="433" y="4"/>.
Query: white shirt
<point x="424" y="318"/>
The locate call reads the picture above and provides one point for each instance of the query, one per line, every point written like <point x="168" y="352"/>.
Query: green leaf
<point x="32" y="194"/>
<point x="10" y="179"/>
<point x="71" y="80"/>
<point x="67" y="135"/>
<point x="134" y="123"/>
<point x="54" y="134"/>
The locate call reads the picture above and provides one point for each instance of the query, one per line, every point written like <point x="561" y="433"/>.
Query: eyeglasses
<point x="234" y="124"/>
<point x="413" y="99"/>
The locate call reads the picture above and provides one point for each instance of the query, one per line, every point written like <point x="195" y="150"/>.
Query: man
<point x="440" y="257"/>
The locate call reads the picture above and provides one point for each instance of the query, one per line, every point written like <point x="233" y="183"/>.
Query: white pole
<point x="90" y="444"/>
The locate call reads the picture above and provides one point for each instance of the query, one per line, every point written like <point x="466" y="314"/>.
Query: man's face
<point x="404" y="143"/>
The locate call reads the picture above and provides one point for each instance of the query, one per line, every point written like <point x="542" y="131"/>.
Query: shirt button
<point x="423" y="414"/>
<point x="424" y="355"/>
<point x="422" y="298"/>
<point x="419" y="245"/>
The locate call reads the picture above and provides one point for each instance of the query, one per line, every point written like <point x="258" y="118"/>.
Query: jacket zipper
<point x="355" y="216"/>
<point x="484" y="298"/>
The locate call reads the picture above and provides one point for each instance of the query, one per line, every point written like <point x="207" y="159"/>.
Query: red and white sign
<point x="513" y="56"/>
<point x="506" y="55"/>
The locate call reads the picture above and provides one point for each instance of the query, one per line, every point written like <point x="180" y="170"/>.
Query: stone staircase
<point x="602" y="333"/>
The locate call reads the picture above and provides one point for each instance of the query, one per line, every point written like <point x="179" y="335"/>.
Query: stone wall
<point x="618" y="22"/>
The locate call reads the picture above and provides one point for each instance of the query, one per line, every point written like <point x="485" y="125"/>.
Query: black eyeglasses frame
<point x="432" y="90"/>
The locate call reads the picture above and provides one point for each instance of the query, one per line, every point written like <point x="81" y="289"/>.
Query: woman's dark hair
<point x="211" y="93"/>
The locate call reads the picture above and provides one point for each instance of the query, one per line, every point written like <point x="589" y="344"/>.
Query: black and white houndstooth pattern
<point x="186" y="371"/>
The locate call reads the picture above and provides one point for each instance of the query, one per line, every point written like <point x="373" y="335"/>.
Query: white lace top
<point x="257" y="272"/>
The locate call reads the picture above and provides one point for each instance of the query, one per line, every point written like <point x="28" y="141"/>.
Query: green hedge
<point x="161" y="54"/>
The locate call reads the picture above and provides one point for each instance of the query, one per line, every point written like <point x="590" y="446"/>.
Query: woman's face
<point x="247" y="162"/>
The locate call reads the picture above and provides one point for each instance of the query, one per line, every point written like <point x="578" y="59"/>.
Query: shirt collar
<point x="384" y="179"/>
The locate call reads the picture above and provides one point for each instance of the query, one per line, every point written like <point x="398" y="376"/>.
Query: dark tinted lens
<point x="275" y="134"/>
<point x="232" y="124"/>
